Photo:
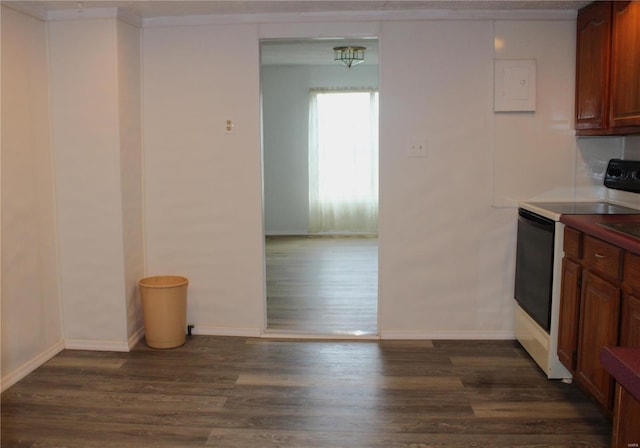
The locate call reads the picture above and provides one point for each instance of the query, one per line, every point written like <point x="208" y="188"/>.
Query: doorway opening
<point x="320" y="174"/>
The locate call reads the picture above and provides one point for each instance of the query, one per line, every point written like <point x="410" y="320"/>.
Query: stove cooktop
<point x="586" y="208"/>
<point x="620" y="175"/>
<point x="553" y="210"/>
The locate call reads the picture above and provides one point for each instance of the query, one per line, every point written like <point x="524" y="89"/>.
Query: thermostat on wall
<point x="515" y="85"/>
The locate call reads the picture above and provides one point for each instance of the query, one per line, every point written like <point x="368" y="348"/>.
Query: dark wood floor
<point x="322" y="285"/>
<point x="237" y="392"/>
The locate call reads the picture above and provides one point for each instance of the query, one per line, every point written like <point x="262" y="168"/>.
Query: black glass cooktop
<point x="585" y="208"/>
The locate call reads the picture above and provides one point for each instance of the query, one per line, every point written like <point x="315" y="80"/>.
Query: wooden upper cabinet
<point x="625" y="65"/>
<point x="608" y="68"/>
<point x="592" y="66"/>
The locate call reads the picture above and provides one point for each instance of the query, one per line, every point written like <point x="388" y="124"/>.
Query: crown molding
<point x="82" y="14"/>
<point x="359" y="16"/>
<point x="73" y="14"/>
<point x="93" y="14"/>
<point x="26" y="8"/>
<point x="317" y="17"/>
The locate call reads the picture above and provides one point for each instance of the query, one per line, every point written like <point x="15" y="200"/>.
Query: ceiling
<point x="152" y="8"/>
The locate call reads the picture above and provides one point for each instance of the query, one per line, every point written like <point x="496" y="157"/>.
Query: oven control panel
<point x="623" y="175"/>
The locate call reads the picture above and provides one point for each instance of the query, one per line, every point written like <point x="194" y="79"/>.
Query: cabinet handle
<point x="599" y="256"/>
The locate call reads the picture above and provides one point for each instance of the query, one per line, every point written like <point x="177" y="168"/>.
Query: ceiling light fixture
<point x="349" y="55"/>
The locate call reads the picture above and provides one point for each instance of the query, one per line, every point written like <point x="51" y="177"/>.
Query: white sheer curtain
<point x="343" y="162"/>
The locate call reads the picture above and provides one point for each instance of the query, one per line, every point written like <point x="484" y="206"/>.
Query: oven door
<point x="534" y="266"/>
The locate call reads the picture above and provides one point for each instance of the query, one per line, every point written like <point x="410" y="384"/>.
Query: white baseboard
<point x="96" y="345"/>
<point x="136" y="337"/>
<point x="441" y="335"/>
<point x="210" y="330"/>
<point x="12" y="378"/>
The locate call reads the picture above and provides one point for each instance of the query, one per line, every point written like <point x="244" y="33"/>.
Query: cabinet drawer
<point x="602" y="257"/>
<point x="572" y="244"/>
<point x="632" y="271"/>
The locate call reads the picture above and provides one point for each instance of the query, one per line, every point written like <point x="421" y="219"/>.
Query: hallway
<point x="322" y="285"/>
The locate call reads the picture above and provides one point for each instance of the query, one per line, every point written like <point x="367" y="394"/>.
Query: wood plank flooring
<point x="268" y="393"/>
<point x="322" y="285"/>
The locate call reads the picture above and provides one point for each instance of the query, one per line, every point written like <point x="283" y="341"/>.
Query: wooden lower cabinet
<point x="630" y="328"/>
<point x="599" y="325"/>
<point x="626" y="420"/>
<point x="599" y="307"/>
<point x="569" y="314"/>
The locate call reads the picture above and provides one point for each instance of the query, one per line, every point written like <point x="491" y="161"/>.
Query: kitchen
<point x="447" y="223"/>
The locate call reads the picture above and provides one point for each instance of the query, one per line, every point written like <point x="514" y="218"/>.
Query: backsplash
<point x="632" y="147"/>
<point x="592" y="157"/>
<point x="630" y="151"/>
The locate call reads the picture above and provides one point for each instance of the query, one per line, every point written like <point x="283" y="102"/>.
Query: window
<point x="343" y="162"/>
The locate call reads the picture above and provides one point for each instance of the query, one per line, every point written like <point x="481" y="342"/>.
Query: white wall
<point x="446" y="255"/>
<point x="535" y="152"/>
<point x="72" y="204"/>
<point x="86" y="117"/>
<point x="31" y="317"/>
<point x="130" y="130"/>
<point x="285" y="103"/>
<point x="537" y="155"/>
<point x="203" y="188"/>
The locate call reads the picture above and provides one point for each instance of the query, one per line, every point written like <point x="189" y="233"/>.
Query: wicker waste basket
<point x="164" y="310"/>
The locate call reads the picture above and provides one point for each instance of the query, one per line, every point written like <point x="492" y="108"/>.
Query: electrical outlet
<point x="417" y="148"/>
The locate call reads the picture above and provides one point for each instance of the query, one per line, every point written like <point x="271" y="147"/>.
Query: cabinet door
<point x="625" y="65"/>
<point x="569" y="314"/>
<point x="626" y="431"/>
<point x="599" y="317"/>
<point x="592" y="66"/>
<point x="630" y="329"/>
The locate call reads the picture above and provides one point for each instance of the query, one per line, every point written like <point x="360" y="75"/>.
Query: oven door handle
<point x="535" y="219"/>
